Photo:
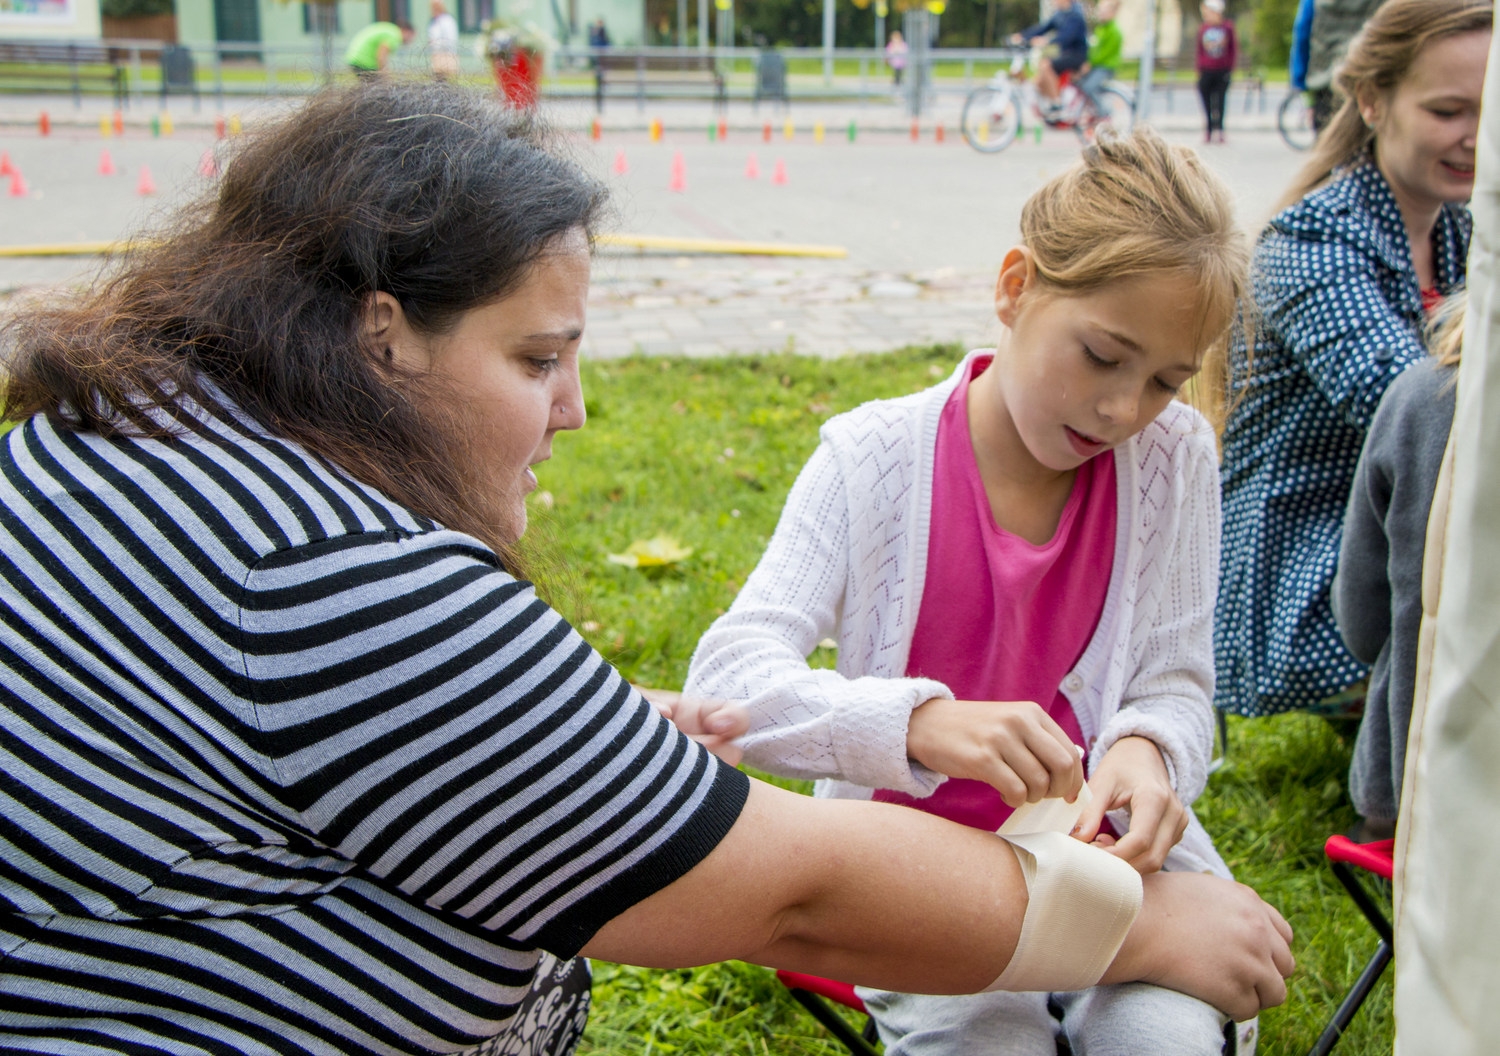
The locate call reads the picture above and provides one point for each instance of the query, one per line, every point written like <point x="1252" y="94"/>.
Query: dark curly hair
<point x="437" y="195"/>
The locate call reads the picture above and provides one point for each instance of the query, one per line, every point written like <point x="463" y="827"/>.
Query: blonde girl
<point x="1017" y="564"/>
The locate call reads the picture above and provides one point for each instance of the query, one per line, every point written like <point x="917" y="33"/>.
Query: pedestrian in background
<point x="895" y="55"/>
<point x="1105" y="47"/>
<point x="442" y="42"/>
<point x="370" y="51"/>
<point x="1216" y="54"/>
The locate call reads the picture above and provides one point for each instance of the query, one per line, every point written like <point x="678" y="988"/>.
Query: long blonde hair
<point x="1378" y="59"/>
<point x="1136" y="204"/>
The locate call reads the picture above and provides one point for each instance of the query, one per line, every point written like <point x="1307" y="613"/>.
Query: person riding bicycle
<point x="1070" y="34"/>
<point x="1104" y="55"/>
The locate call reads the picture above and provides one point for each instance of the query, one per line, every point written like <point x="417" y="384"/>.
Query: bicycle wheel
<point x="991" y="118"/>
<point x="1121" y="117"/>
<point x="1294" y="120"/>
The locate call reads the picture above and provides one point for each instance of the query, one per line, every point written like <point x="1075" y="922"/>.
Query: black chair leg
<point x="835" y="1023"/>
<point x="1356" y="997"/>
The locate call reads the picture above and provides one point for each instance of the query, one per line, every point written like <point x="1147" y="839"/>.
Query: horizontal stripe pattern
<point x="285" y="768"/>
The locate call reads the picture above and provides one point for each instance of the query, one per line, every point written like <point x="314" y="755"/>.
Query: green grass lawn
<point x="705" y="451"/>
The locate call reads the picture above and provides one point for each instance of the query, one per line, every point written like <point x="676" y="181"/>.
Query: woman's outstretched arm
<point x="902" y="900"/>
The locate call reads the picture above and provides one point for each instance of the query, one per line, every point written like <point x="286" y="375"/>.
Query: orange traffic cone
<point x="219" y="127"/>
<point x="765" y="133"/>
<point x="938" y="133"/>
<point x="44" y="124"/>
<point x="208" y="165"/>
<point x="106" y="163"/>
<point x="723" y="129"/>
<point x="752" y="169"/>
<point x="678" y="182"/>
<point x="596" y="130"/>
<point x="5" y="166"/>
<point x="916" y="131"/>
<point x="118" y="123"/>
<point x="778" y="174"/>
<point x="145" y="185"/>
<point x="621" y="166"/>
<point x="17" y="184"/>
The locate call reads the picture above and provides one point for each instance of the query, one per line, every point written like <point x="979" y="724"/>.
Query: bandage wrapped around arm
<point x="1081" y="904"/>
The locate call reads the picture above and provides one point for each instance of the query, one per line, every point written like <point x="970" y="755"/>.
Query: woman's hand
<point x="1133" y="775"/>
<point x="715" y="724"/>
<point x="1012" y="745"/>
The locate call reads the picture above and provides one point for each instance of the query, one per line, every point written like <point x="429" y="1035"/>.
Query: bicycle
<point x="1294" y="120"/>
<point x="993" y="113"/>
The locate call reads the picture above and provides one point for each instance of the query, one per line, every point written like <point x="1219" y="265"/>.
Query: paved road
<point x="925" y="224"/>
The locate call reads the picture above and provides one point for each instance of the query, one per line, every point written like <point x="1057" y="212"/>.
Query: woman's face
<point x="1427" y="126"/>
<point x="514" y="364"/>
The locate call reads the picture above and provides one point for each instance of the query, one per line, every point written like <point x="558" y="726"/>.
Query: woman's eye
<point x="1171" y="390"/>
<point x="545" y="365"/>
<point x="1096" y="360"/>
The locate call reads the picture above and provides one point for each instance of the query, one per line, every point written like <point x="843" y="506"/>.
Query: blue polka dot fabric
<point x="1340" y="316"/>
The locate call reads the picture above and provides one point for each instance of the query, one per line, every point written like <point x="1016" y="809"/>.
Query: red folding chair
<point x="813" y="993"/>
<point x="1343" y="853"/>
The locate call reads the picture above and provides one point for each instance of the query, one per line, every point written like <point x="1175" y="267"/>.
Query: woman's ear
<point x="1370" y="108"/>
<point x="1017" y="275"/>
<point x="391" y="336"/>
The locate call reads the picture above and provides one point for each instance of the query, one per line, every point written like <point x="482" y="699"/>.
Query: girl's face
<point x="1082" y="374"/>
<point x="514" y="363"/>
<point x="1427" y="126"/>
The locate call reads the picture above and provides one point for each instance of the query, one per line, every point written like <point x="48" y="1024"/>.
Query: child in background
<point x="1377" y="592"/>
<point x="1215" y="57"/>
<point x="1104" y="55"/>
<point x="1017" y="564"/>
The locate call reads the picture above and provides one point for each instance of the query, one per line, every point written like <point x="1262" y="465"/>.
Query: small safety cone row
<point x="145" y="185"/>
<point x="621" y="165"/>
<point x="18" y="187"/>
<point x="778" y="174"/>
<point x="106" y="163"/>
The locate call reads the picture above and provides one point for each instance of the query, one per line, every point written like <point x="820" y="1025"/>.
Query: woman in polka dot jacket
<point x="1372" y="234"/>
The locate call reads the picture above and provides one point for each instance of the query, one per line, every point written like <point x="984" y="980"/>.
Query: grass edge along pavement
<point x="704" y="451"/>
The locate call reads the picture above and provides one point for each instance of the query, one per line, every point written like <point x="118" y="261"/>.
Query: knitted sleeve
<point x="810" y="723"/>
<point x="1168" y="695"/>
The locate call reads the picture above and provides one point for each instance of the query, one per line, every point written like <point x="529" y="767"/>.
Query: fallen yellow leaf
<point x="652" y="553"/>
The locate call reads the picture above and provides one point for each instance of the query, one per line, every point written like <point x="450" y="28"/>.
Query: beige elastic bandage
<point x="1082" y="902"/>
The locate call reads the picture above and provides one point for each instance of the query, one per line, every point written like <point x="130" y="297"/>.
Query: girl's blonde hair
<point x="1134" y="205"/>
<point x="1445" y="338"/>
<point x="1378" y="60"/>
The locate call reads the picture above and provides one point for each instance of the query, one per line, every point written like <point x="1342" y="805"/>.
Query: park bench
<point x="639" y="74"/>
<point x="44" y="65"/>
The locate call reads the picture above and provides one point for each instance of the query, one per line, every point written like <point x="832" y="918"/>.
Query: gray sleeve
<point x="1406" y="441"/>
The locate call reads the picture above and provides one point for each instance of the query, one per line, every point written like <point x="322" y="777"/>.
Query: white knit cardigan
<point x="848" y="560"/>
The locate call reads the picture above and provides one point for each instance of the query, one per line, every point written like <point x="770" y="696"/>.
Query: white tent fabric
<point x="1448" y="861"/>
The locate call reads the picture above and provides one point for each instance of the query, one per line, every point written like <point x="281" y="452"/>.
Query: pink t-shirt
<point x="1001" y="618"/>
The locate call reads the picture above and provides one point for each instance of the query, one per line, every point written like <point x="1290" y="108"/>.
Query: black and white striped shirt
<point x="285" y="768"/>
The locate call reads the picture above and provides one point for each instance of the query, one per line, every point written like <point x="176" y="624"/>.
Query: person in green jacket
<point x="1104" y="55"/>
<point x="371" y="48"/>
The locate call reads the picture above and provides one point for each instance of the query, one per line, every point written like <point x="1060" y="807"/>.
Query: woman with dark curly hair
<point x="295" y="762"/>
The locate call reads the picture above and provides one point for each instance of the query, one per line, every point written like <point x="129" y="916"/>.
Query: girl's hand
<point x="715" y="724"/>
<point x="1132" y="775"/>
<point x="1012" y="745"/>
